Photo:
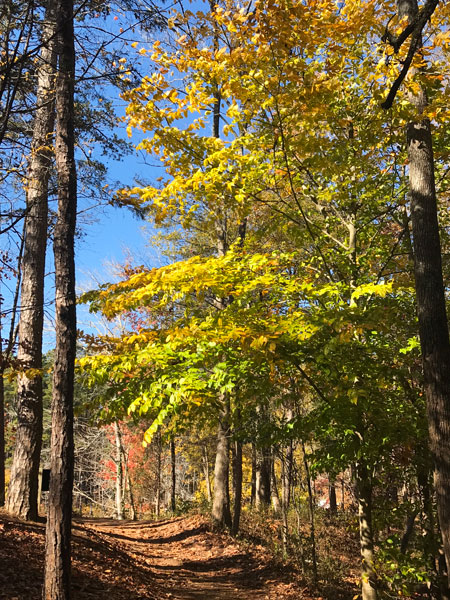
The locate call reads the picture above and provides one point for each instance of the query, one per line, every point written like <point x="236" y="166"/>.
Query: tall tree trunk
<point x="285" y="495"/>
<point x="120" y="508"/>
<point x="237" y="485"/>
<point x="23" y="487"/>
<point x="364" y="493"/>
<point x="254" y="469"/>
<point x="312" y="523"/>
<point x="221" y="514"/>
<point x="58" y="530"/>
<point x="173" y="490"/>
<point x="158" y="474"/>
<point x="431" y="310"/>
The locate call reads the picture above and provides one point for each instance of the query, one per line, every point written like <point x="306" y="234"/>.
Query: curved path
<point x="185" y="561"/>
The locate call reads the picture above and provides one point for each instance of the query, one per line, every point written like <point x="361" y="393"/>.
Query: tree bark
<point x="205" y="458"/>
<point x="275" y="497"/>
<point x="158" y="474"/>
<point x="364" y="492"/>
<point x="221" y="514"/>
<point x="332" y="496"/>
<point x="237" y="486"/>
<point x="120" y="508"/>
<point x="431" y="309"/>
<point x="173" y="494"/>
<point x="254" y="468"/>
<point x="286" y="472"/>
<point x="263" y="477"/>
<point x="58" y="530"/>
<point x="311" y="515"/>
<point x="23" y="487"/>
<point x="133" y="514"/>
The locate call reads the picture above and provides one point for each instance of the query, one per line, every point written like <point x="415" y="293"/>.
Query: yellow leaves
<point x="376" y="289"/>
<point x="221" y="52"/>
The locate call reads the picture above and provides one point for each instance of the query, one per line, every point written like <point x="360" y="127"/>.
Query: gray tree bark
<point x="221" y="514"/>
<point x="237" y="485"/>
<point x="431" y="309"/>
<point x="120" y="507"/>
<point x="58" y="530"/>
<point x="23" y="487"/>
<point x="364" y="492"/>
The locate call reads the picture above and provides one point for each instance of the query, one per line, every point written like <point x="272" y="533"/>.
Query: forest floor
<point x="178" y="559"/>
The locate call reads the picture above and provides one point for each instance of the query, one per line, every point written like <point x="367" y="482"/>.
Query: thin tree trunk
<point x="237" y="485"/>
<point x="285" y="498"/>
<point x="364" y="492"/>
<point x="158" y="475"/>
<point x="311" y="515"/>
<point x="23" y="487"/>
<point x="206" y="470"/>
<point x="58" y="530"/>
<point x="332" y="496"/>
<point x="128" y="485"/>
<point x="221" y="514"/>
<point x="263" y="477"/>
<point x="254" y="469"/>
<point x="275" y="497"/>
<point x="173" y="495"/>
<point x="120" y="508"/>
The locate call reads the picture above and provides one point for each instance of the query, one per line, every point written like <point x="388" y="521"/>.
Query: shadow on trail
<point x="178" y="537"/>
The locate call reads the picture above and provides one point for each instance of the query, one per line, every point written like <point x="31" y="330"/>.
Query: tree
<point x="431" y="306"/>
<point x="59" y="517"/>
<point x="23" y="489"/>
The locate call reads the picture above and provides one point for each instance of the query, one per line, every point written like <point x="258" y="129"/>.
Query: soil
<point x="178" y="558"/>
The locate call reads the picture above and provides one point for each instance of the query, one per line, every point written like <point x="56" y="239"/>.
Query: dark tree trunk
<point x="237" y="485"/>
<point x="221" y="514"/>
<point x="120" y="500"/>
<point x="431" y="310"/>
<point x="263" y="477"/>
<point x="173" y="495"/>
<point x="311" y="515"/>
<point x="332" y="497"/>
<point x="158" y="474"/>
<point x="58" y="530"/>
<point x="254" y="468"/>
<point x="286" y="473"/>
<point x="23" y="488"/>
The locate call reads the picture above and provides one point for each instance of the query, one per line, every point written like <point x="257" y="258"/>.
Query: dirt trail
<point x="178" y="559"/>
<point x="189" y="562"/>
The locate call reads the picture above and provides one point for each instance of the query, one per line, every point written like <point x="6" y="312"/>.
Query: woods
<point x="287" y="356"/>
